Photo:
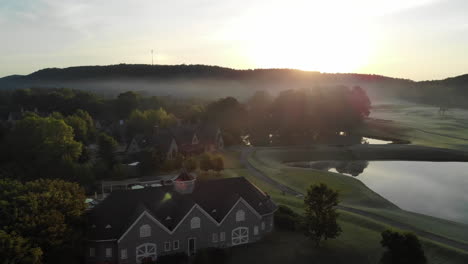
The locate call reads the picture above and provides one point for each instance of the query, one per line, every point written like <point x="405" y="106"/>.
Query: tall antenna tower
<point x="152" y="61"/>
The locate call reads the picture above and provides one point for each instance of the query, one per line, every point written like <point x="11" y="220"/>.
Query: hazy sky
<point x="416" y="39"/>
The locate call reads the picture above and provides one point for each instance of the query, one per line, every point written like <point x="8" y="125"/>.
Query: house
<point x="138" y="226"/>
<point x="161" y="140"/>
<point x="186" y="140"/>
<point x="211" y="138"/>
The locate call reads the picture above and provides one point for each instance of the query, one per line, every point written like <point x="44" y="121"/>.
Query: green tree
<point x="218" y="163"/>
<point x="190" y="164"/>
<point x="107" y="147"/>
<point x="401" y="248"/>
<point x="45" y="212"/>
<point x="320" y="213"/>
<point x="206" y="163"/>
<point x="80" y="127"/>
<point x="15" y="249"/>
<point x="37" y="147"/>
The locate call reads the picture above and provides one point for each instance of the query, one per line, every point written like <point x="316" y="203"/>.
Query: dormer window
<point x="240" y="216"/>
<point x="194" y="140"/>
<point x="195" y="222"/>
<point x="145" y="231"/>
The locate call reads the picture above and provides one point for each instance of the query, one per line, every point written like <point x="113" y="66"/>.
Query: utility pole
<point x="152" y="62"/>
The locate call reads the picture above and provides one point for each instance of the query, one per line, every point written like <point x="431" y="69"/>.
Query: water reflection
<point x="438" y="189"/>
<point x="351" y="167"/>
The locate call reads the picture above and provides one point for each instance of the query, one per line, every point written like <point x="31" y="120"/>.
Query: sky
<point x="413" y="39"/>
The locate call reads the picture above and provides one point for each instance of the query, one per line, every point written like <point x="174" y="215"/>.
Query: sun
<point x="312" y="42"/>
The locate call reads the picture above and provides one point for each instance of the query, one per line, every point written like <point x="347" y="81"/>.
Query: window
<point x="222" y="236"/>
<point x="263" y="225"/>
<point x="195" y="222"/>
<point x="175" y="245"/>
<point x="240" y="216"/>
<point x="92" y="252"/>
<point x="240" y="235"/>
<point x="271" y="223"/>
<point x="255" y="230"/>
<point x="215" y="237"/>
<point x="167" y="246"/>
<point x="146" y="252"/>
<point x="108" y="252"/>
<point x="123" y="253"/>
<point x="145" y="231"/>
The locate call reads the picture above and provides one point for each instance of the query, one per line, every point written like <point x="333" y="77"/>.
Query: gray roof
<point x="216" y="197"/>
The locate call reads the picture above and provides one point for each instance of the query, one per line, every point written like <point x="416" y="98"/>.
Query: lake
<point x="438" y="189"/>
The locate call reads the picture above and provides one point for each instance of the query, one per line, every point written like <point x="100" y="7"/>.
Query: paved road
<point x="259" y="174"/>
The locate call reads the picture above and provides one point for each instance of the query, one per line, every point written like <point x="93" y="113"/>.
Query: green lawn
<point x="360" y="240"/>
<point x="406" y="119"/>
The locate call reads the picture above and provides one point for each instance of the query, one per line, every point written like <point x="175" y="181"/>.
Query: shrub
<point x="287" y="219"/>
<point x="211" y="256"/>
<point x="175" y="258"/>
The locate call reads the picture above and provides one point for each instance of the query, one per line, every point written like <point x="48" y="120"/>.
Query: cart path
<point x="427" y="235"/>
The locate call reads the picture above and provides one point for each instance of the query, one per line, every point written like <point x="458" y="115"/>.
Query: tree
<point x="107" y="147"/>
<point x="206" y="162"/>
<point x="217" y="163"/>
<point x="401" y="248"/>
<point x="46" y="213"/>
<point x="15" y="249"/>
<point x="190" y="164"/>
<point x="360" y="101"/>
<point x="37" y="147"/>
<point x="320" y="213"/>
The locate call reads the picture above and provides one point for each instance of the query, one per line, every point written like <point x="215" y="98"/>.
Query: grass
<point x="353" y="192"/>
<point x="447" y="131"/>
<point x="360" y="240"/>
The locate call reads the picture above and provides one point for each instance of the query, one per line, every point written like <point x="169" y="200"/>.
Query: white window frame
<point x="174" y="243"/>
<point x="92" y="252"/>
<point x="241" y="239"/>
<point x="214" y="237"/>
<point x="108" y="252"/>
<point x="145" y="231"/>
<point x="167" y="246"/>
<point x="123" y="253"/>
<point x="255" y="230"/>
<point x="222" y="236"/>
<point x="240" y="215"/>
<point x="195" y="222"/>
<point x="139" y="255"/>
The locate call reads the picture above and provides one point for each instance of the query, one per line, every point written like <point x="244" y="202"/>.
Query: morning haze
<point x="226" y="132"/>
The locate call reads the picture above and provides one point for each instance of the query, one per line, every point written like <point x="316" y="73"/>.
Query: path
<point x="259" y="174"/>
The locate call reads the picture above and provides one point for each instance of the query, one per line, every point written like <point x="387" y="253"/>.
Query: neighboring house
<point x="137" y="226"/>
<point x="211" y="138"/>
<point x="161" y="140"/>
<point x="186" y="140"/>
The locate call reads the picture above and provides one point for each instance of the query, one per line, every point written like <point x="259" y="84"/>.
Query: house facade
<point x="140" y="225"/>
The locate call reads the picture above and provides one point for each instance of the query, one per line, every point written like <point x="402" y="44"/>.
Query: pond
<point x="374" y="141"/>
<point x="438" y="189"/>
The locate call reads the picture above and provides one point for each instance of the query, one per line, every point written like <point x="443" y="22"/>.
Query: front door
<point x="191" y="246"/>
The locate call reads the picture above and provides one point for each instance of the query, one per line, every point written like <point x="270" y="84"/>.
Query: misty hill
<point x="213" y="82"/>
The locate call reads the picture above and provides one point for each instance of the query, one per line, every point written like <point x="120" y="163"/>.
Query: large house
<point x="138" y="226"/>
<point x="186" y="140"/>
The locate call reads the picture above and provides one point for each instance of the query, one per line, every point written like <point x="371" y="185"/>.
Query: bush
<point x="176" y="258"/>
<point x="211" y="256"/>
<point x="287" y="219"/>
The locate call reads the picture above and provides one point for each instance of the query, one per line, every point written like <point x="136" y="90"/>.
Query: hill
<point x="214" y="81"/>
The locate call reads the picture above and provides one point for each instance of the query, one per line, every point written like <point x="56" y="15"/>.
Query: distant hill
<point x="213" y="81"/>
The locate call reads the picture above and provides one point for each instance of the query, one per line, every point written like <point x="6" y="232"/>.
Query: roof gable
<point x="216" y="199"/>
